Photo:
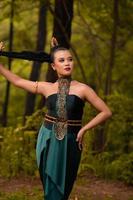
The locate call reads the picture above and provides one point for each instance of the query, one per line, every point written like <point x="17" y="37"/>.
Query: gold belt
<point x="68" y="121"/>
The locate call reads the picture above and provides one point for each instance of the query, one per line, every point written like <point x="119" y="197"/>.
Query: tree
<point x="108" y="83"/>
<point x="6" y="101"/>
<point x="41" y="41"/>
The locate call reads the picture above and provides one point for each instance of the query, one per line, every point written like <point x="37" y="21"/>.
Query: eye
<point x="70" y="59"/>
<point x="61" y="60"/>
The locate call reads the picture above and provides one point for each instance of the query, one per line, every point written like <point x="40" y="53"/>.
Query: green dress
<point x="58" y="160"/>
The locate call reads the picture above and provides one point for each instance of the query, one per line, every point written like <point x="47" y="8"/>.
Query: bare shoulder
<point x="86" y="91"/>
<point x="83" y="87"/>
<point x="77" y="83"/>
<point x="91" y="96"/>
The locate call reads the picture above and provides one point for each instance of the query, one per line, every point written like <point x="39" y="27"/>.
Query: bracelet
<point x="36" y="86"/>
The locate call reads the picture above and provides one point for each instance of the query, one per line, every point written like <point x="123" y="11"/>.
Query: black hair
<point x="56" y="49"/>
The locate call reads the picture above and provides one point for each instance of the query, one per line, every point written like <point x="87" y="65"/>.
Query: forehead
<point x="62" y="54"/>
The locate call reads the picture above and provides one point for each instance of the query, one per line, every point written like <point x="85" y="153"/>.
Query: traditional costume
<point x="58" y="153"/>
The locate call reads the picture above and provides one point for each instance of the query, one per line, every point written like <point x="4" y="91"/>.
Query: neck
<point x="65" y="77"/>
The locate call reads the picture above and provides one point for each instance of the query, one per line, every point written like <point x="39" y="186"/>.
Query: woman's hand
<point x="79" y="138"/>
<point x="1" y="46"/>
<point x="54" y="42"/>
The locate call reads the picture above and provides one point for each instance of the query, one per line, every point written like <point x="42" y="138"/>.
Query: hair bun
<point x="54" y="48"/>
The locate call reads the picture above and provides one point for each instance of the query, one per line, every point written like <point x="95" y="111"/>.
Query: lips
<point x="67" y="68"/>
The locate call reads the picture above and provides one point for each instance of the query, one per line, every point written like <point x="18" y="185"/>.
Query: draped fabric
<point x="31" y="55"/>
<point x="58" y="160"/>
<point x="27" y="55"/>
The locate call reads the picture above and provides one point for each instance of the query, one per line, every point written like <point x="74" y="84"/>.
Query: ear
<point x="52" y="65"/>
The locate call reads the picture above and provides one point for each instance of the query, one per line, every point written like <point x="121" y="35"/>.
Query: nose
<point x="67" y="63"/>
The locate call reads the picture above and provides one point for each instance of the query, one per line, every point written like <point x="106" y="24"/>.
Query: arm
<point x="31" y="86"/>
<point x="100" y="105"/>
<point x="16" y="80"/>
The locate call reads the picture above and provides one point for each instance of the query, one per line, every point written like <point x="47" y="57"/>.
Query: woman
<point x="60" y="139"/>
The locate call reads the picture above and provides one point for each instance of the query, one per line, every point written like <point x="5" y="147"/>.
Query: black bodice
<point x="74" y="106"/>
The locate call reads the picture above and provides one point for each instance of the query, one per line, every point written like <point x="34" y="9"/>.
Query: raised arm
<point x="31" y="86"/>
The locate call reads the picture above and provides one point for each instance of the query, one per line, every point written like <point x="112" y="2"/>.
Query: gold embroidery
<point x="60" y="127"/>
<point x="69" y="122"/>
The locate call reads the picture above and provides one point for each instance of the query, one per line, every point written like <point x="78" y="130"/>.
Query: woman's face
<point x="63" y="63"/>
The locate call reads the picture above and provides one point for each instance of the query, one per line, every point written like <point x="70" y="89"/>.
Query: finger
<point x="1" y="46"/>
<point x="80" y="146"/>
<point x="1" y="43"/>
<point x="77" y="139"/>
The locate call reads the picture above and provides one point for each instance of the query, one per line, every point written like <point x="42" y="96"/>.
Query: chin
<point x="67" y="74"/>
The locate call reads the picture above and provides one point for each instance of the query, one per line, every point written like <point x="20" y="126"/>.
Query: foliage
<point x="17" y="147"/>
<point x="22" y="195"/>
<point x="121" y="168"/>
<point x="116" y="161"/>
<point x="92" y="29"/>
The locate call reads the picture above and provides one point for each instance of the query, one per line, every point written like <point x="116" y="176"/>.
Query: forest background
<point x="99" y="34"/>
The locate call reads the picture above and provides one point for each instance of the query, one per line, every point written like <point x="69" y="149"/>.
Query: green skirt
<point x="58" y="162"/>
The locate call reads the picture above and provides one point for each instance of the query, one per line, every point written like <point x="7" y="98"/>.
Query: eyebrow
<point x="63" y="57"/>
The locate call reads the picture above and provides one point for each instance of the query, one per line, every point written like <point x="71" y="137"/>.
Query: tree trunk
<point x="100" y="135"/>
<point x="108" y="83"/>
<point x="6" y="101"/>
<point x="63" y="15"/>
<point x="99" y="140"/>
<point x="41" y="40"/>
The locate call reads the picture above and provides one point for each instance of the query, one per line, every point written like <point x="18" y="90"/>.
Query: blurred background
<point x="100" y="36"/>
